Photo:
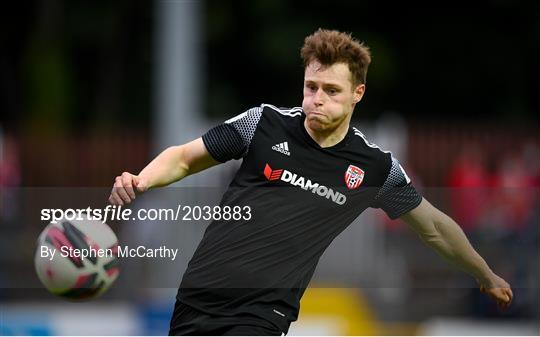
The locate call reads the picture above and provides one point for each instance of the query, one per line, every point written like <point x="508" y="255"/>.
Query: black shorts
<point x="189" y="321"/>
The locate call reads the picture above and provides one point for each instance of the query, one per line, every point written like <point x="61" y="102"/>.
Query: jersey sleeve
<point x="397" y="196"/>
<point x="231" y="140"/>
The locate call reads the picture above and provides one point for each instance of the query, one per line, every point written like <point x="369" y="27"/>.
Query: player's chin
<point x="317" y="122"/>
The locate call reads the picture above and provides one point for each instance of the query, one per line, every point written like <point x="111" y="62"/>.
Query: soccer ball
<point x="77" y="259"/>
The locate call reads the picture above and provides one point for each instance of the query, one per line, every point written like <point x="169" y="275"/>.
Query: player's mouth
<point x="316" y="113"/>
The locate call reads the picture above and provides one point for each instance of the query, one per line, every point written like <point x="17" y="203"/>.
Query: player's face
<point x="329" y="96"/>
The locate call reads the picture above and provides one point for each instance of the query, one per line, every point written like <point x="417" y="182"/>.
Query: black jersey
<point x="301" y="197"/>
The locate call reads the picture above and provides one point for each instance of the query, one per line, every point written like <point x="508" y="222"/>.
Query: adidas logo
<point x="282" y="147"/>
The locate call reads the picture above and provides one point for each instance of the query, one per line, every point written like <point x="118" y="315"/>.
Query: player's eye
<point x="332" y="91"/>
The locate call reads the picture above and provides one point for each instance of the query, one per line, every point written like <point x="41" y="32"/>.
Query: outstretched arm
<point x="173" y="164"/>
<point x="444" y="235"/>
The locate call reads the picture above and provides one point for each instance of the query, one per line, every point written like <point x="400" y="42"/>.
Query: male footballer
<point x="306" y="175"/>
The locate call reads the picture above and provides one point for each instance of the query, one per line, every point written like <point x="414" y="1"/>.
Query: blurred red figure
<point x="469" y="180"/>
<point x="10" y="175"/>
<point x="9" y="162"/>
<point x="514" y="195"/>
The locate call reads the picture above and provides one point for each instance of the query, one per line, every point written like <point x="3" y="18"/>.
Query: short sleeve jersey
<point x="301" y="197"/>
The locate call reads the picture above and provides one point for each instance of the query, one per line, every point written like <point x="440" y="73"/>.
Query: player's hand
<point x="499" y="290"/>
<point x="126" y="187"/>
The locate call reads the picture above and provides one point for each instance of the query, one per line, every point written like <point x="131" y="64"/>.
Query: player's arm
<point x="173" y="164"/>
<point x="445" y="236"/>
<point x="223" y="142"/>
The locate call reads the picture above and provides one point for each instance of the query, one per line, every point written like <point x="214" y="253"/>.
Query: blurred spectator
<point x="9" y="175"/>
<point x="531" y="157"/>
<point x="9" y="178"/>
<point x="468" y="179"/>
<point x="512" y="198"/>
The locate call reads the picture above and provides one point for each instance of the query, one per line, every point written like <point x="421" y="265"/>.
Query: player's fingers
<point x="121" y="190"/>
<point x="114" y="199"/>
<point x="111" y="200"/>
<point x="128" y="181"/>
<point x="507" y="303"/>
<point x="500" y="294"/>
<point x="504" y="298"/>
<point x="511" y="294"/>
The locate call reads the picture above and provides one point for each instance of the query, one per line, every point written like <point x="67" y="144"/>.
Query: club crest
<point x="353" y="177"/>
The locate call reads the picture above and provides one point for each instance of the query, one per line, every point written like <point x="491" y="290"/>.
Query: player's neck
<point x="328" y="138"/>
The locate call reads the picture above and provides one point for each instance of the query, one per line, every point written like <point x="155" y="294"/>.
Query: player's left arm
<point x="444" y="235"/>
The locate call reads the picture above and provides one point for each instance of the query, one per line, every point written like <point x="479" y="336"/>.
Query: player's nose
<point x="318" y="98"/>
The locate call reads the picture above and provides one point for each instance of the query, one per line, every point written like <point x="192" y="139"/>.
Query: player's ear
<point x="358" y="92"/>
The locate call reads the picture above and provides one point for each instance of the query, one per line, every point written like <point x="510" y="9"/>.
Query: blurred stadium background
<point x="91" y="89"/>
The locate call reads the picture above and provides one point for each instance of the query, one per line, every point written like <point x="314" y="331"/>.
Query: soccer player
<point x="306" y="175"/>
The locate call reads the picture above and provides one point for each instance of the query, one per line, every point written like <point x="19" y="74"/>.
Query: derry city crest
<point x="353" y="177"/>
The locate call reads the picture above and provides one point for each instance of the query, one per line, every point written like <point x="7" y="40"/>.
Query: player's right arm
<point x="173" y="164"/>
<point x="224" y="142"/>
